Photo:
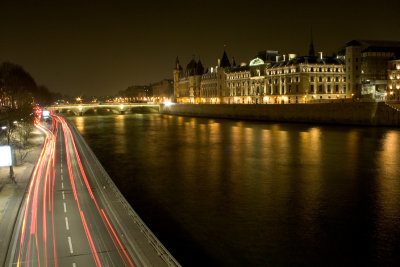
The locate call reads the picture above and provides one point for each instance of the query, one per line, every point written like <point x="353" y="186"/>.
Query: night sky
<point x="101" y="47"/>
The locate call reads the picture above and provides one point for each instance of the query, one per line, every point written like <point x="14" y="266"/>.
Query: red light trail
<point x="42" y="207"/>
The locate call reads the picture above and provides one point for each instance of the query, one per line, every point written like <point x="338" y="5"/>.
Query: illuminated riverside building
<point x="305" y="79"/>
<point x="194" y="85"/>
<point x="360" y="73"/>
<point x="187" y="83"/>
<point x="283" y="79"/>
<point x="367" y="68"/>
<point x="393" y="92"/>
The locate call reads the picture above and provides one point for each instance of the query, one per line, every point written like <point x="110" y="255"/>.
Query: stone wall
<point x="354" y="113"/>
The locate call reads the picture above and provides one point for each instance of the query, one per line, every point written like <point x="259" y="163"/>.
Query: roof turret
<point x="225" y="63"/>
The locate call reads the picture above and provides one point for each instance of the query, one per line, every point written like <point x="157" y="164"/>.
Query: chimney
<point x="320" y="55"/>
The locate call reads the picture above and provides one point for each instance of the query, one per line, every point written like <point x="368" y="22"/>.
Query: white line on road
<point x="70" y="245"/>
<point x="62" y="185"/>
<point x="62" y="178"/>
<point x="65" y="208"/>
<point x="66" y="223"/>
<point x="61" y="170"/>
<point x="73" y="264"/>
<point x="63" y="194"/>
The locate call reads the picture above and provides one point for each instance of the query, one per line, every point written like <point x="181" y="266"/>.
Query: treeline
<point x="17" y="87"/>
<point x="19" y="94"/>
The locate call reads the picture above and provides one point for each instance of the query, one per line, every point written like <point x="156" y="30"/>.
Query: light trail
<point x="118" y="245"/>
<point x="37" y="235"/>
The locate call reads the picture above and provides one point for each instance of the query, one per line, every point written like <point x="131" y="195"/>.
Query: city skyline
<point x="96" y="48"/>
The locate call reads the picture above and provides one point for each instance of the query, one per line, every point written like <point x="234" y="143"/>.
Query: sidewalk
<point x="11" y="194"/>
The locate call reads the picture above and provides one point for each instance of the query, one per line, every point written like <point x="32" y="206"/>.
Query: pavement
<point x="12" y="194"/>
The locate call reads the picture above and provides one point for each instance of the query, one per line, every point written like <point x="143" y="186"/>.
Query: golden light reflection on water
<point x="80" y="124"/>
<point x="281" y="144"/>
<point x="311" y="174"/>
<point x="215" y="132"/>
<point x="120" y="134"/>
<point x="388" y="183"/>
<point x="234" y="153"/>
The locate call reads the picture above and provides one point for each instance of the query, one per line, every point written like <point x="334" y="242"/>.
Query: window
<point x="329" y="79"/>
<point x="312" y="78"/>
<point x="337" y="88"/>
<point x="344" y="88"/>
<point x="337" y="79"/>
<point x="329" y="88"/>
<point x="312" y="88"/>
<point x="297" y="88"/>
<point x="319" y="88"/>
<point x="290" y="88"/>
<point x="320" y="79"/>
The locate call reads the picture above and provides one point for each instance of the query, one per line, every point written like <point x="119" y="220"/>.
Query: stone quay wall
<point x="354" y="113"/>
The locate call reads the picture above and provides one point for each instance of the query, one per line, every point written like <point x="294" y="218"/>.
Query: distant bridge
<point x="118" y="108"/>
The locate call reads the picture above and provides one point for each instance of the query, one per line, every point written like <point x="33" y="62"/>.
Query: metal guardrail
<point x="151" y="238"/>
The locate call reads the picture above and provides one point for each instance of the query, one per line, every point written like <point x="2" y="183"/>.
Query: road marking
<point x="66" y="223"/>
<point x="70" y="245"/>
<point x="62" y="185"/>
<point x="62" y="178"/>
<point x="61" y="170"/>
<point x="73" y="264"/>
<point x="63" y="194"/>
<point x="65" y="208"/>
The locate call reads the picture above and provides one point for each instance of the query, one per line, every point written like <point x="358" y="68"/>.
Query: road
<point x="61" y="222"/>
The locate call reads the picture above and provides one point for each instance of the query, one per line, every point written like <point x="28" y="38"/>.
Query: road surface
<point x="61" y="221"/>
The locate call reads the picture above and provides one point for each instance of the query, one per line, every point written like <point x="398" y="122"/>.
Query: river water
<point x="235" y="193"/>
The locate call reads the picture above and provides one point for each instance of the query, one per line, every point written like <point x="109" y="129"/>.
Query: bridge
<point x="96" y="108"/>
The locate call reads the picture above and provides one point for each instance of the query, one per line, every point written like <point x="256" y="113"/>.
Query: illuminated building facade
<point x="283" y="79"/>
<point x="163" y="91"/>
<point x="361" y="72"/>
<point x="393" y="92"/>
<point x="366" y="67"/>
<point x="213" y="82"/>
<point x="187" y="83"/>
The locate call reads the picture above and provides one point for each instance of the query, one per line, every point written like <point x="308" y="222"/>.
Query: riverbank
<point x="11" y="194"/>
<point x="356" y="113"/>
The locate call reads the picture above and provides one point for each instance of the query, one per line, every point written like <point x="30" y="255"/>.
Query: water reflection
<point x="80" y="124"/>
<point x="120" y="135"/>
<point x="238" y="193"/>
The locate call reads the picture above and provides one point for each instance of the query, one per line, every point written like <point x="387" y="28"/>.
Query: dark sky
<point x="101" y="47"/>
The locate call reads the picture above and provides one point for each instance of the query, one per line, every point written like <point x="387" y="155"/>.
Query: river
<point x="236" y="193"/>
